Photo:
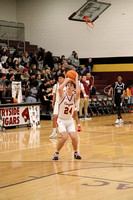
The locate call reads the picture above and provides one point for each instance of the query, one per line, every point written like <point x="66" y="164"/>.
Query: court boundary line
<point x="97" y="178"/>
<point x="58" y="173"/>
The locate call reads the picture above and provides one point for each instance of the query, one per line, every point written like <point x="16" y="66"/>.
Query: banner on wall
<point x="19" y="115"/>
<point x="34" y="115"/>
<point x="17" y="90"/>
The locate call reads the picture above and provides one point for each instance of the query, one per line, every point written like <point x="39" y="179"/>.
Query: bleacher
<point x="17" y="45"/>
<point x="98" y="105"/>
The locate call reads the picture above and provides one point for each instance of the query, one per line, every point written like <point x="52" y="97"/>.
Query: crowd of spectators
<point x="38" y="72"/>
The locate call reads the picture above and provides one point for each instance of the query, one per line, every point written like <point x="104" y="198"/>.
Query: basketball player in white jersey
<point x="55" y="102"/>
<point x="65" y="121"/>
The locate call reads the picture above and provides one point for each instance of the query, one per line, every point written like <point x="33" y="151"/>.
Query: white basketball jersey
<point x="66" y="106"/>
<point x="56" y="91"/>
<point x="81" y="86"/>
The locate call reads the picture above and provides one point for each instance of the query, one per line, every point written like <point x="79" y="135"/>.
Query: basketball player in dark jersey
<point x="118" y="87"/>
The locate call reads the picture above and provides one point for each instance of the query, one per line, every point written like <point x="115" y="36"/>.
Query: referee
<point x="118" y="88"/>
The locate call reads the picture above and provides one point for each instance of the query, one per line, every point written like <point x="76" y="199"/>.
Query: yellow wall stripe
<point x="113" y="67"/>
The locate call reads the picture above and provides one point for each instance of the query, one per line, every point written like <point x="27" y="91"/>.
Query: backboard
<point x="92" y="9"/>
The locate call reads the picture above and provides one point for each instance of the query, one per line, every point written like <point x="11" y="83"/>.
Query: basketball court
<point x="101" y="30"/>
<point x="27" y="170"/>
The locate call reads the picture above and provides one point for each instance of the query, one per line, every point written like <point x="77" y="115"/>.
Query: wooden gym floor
<point x="105" y="172"/>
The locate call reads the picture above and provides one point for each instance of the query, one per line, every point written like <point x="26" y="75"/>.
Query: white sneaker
<point x="117" y="121"/>
<point x="121" y="120"/>
<point x="53" y="135"/>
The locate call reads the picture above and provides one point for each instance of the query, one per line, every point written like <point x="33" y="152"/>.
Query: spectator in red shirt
<point x="84" y="98"/>
<point x="89" y="80"/>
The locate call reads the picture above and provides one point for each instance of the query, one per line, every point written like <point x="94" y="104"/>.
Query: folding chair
<point x="110" y="103"/>
<point x="106" y="106"/>
<point x="95" y="106"/>
<point x="90" y="108"/>
<point x="125" y="106"/>
<point x="101" y="106"/>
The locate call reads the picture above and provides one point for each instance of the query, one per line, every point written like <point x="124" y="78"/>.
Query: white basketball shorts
<point x="66" y="125"/>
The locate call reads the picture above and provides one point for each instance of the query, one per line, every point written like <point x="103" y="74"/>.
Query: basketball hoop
<point x="86" y="21"/>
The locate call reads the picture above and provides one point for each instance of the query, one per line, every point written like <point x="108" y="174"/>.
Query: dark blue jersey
<point x="118" y="89"/>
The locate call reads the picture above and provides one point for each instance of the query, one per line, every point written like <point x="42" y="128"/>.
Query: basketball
<point x="71" y="74"/>
<point x="15" y="100"/>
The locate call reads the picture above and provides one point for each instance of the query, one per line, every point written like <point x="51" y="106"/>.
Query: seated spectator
<point x="46" y="67"/>
<point x="38" y="77"/>
<point x="72" y="56"/>
<point x="70" y="66"/>
<point x="4" y="55"/>
<point x="84" y="100"/>
<point x="10" y="63"/>
<point x="9" y="80"/>
<point x="53" y="81"/>
<point x="89" y="80"/>
<point x="26" y="58"/>
<point x="43" y="75"/>
<point x="64" y="68"/>
<point x="48" y="73"/>
<point x="2" y="86"/>
<point x="33" y="92"/>
<point x="12" y="71"/>
<point x="88" y="67"/>
<point x="33" y="59"/>
<point x="56" y="61"/>
<point x="16" y="65"/>
<point x="5" y="69"/>
<point x="76" y="63"/>
<point x="11" y="77"/>
<point x="30" y="70"/>
<point x="32" y="77"/>
<point x="59" y="66"/>
<point x="27" y="78"/>
<point x="26" y="85"/>
<point x="18" y="57"/>
<point x="57" y="74"/>
<point x="43" y="86"/>
<point x="3" y="52"/>
<point x="38" y="72"/>
<point x="20" y="77"/>
<point x="25" y="72"/>
<point x="27" y="65"/>
<point x="34" y="68"/>
<point x="63" y="60"/>
<point x="46" y="95"/>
